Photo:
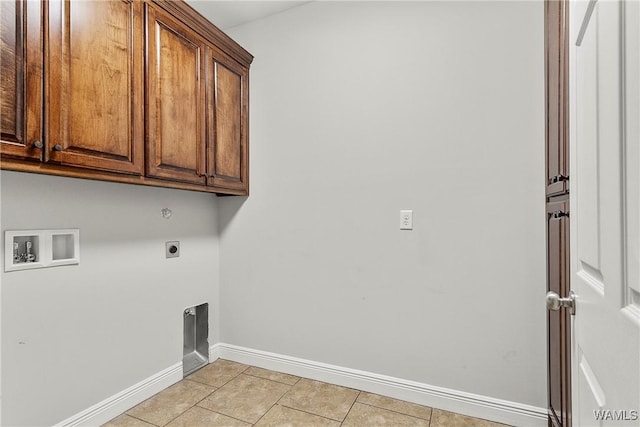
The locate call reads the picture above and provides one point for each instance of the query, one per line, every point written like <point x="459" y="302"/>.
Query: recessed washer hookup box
<point x="29" y="249"/>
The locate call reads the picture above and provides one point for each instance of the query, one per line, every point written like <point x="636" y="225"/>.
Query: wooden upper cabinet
<point x="138" y="91"/>
<point x="176" y="123"/>
<point x="95" y="85"/>
<point x="227" y="118"/>
<point x="21" y="79"/>
<point x="557" y="109"/>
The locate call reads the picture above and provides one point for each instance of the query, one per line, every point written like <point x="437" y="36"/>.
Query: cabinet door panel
<point x="95" y="86"/>
<point x="21" y="77"/>
<point x="227" y="147"/>
<point x="558" y="322"/>
<point x="557" y="139"/>
<point x="176" y="96"/>
<point x="228" y="111"/>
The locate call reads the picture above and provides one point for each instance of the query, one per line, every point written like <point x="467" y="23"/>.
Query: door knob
<point x="37" y="144"/>
<point x="555" y="303"/>
<point x="57" y="147"/>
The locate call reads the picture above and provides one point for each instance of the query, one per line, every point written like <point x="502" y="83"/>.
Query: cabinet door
<point x="558" y="322"/>
<point x="95" y="85"/>
<point x="21" y="79"/>
<point x="227" y="92"/>
<point x="175" y="100"/>
<point x="556" y="62"/>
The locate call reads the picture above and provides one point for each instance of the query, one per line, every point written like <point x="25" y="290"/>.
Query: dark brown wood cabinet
<point x="228" y="133"/>
<point x="557" y="200"/>
<point x="557" y="108"/>
<point x="21" y="76"/>
<point x="94" y="91"/>
<point x="137" y="91"/>
<point x="559" y="322"/>
<point x="176" y="121"/>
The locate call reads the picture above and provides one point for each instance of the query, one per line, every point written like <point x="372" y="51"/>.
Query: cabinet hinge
<point x="558" y="178"/>
<point x="558" y="214"/>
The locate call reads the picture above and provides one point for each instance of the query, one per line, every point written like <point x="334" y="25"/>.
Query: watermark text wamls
<point x="615" y="415"/>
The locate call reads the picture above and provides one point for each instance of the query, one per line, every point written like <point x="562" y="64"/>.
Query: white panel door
<point x="604" y="115"/>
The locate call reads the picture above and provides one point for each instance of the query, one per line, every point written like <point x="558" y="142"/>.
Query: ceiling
<point x="226" y="14"/>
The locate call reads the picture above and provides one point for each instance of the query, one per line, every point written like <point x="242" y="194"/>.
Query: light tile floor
<point x="231" y="394"/>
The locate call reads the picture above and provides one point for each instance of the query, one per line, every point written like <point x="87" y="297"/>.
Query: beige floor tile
<point x="245" y="397"/>
<point x="272" y="375"/>
<point x="171" y="402"/>
<point x="364" y="415"/>
<point x="440" y="418"/>
<point x="401" y="406"/>
<point x="201" y="417"/>
<point x="127" y="421"/>
<point x="279" y="416"/>
<point x="218" y="373"/>
<point x="249" y="394"/>
<point x="326" y="400"/>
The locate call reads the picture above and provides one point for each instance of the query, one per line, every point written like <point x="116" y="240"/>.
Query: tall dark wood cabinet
<point x="136" y="91"/>
<point x="558" y="322"/>
<point x="557" y="110"/>
<point x="557" y="200"/>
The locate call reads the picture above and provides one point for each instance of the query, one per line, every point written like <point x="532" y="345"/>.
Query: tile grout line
<point x="398" y="412"/>
<point x="226" y="382"/>
<point x="243" y="372"/>
<point x="276" y="402"/>
<point x="275" y="381"/>
<point x="351" y="407"/>
<point x="199" y="401"/>
<point x="266" y="412"/>
<point x="302" y="410"/>
<point x="310" y="413"/>
<point x="224" y="415"/>
<point x="190" y="407"/>
<point x="139" y="419"/>
<point x="207" y="384"/>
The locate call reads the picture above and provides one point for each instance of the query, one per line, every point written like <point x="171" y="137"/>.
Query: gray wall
<point x="73" y="336"/>
<point x="358" y="110"/>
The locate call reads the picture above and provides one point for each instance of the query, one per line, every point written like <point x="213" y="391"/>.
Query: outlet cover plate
<point x="406" y="220"/>
<point x="172" y="249"/>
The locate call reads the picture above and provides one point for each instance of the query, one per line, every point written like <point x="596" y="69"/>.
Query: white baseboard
<point x="489" y="408"/>
<point x="214" y="352"/>
<point x="115" y="405"/>
<point x="474" y="405"/>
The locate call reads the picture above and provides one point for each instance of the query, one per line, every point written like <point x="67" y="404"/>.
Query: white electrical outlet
<point x="406" y="220"/>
